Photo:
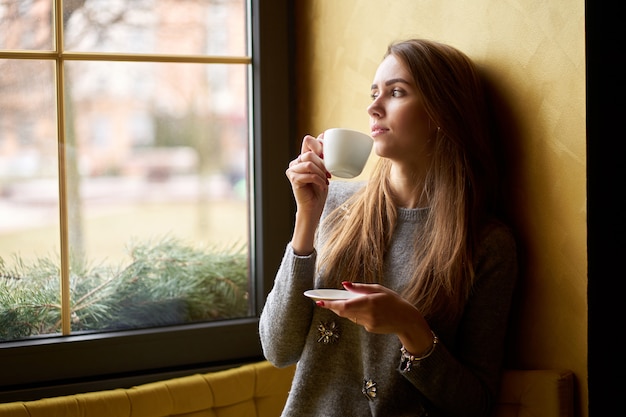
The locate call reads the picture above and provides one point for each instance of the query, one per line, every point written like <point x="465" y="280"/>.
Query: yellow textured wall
<point x="533" y="53"/>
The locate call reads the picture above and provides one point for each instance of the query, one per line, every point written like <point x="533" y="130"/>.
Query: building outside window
<point x="130" y="179"/>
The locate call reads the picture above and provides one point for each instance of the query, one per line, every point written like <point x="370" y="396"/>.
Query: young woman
<point x="419" y="241"/>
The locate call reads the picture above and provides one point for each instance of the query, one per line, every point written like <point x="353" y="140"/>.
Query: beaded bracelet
<point x="408" y="359"/>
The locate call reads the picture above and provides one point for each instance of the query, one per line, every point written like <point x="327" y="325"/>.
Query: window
<point x="135" y="149"/>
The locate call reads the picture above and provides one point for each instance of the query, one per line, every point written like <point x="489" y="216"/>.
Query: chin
<point x="379" y="149"/>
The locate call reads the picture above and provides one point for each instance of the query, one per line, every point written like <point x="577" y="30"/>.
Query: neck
<point x="408" y="187"/>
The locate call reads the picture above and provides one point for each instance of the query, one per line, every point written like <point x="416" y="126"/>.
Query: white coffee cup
<point x="346" y="151"/>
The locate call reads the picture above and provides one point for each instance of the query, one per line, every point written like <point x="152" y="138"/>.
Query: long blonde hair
<point x="460" y="186"/>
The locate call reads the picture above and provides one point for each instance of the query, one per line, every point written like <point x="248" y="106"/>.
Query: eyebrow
<point x="390" y="82"/>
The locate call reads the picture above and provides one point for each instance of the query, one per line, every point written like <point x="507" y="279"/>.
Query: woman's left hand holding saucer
<point x="379" y="310"/>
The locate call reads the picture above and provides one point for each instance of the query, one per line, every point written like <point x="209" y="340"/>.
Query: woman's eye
<point x="396" y="92"/>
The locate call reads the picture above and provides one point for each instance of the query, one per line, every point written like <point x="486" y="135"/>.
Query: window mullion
<point x="63" y="203"/>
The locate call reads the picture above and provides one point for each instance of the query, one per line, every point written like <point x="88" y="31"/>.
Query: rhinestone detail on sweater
<point x="329" y="332"/>
<point x="369" y="389"/>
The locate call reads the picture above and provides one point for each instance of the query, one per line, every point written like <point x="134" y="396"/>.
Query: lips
<point x="378" y="130"/>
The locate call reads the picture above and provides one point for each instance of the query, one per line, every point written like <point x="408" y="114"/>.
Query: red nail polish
<point x="320" y="303"/>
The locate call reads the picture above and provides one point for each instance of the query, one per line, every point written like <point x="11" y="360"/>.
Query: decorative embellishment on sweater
<point x="369" y="389"/>
<point x="329" y="332"/>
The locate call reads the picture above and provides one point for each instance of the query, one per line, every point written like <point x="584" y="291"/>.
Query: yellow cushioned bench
<point x="260" y="390"/>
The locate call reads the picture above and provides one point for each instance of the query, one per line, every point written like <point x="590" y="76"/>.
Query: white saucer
<point x="331" y="294"/>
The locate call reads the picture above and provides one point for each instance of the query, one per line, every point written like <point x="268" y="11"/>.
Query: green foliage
<point x="165" y="283"/>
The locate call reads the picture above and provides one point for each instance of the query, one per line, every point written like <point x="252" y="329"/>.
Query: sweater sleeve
<point x="286" y="316"/>
<point x="462" y="379"/>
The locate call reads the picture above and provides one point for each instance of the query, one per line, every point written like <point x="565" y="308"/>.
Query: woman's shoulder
<point x="495" y="232"/>
<point x="496" y="244"/>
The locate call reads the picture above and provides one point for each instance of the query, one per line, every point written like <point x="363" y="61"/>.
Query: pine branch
<point x="167" y="282"/>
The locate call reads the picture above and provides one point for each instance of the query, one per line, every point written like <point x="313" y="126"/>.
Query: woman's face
<point x="398" y="121"/>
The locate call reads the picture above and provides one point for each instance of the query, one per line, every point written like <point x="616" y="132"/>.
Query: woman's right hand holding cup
<point x="309" y="182"/>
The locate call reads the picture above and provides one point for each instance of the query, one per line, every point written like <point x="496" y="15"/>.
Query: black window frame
<point x="46" y="366"/>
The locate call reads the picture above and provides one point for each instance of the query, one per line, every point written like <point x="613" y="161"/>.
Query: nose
<point x="375" y="109"/>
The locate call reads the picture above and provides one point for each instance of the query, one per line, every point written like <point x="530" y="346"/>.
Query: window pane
<point x="26" y="24"/>
<point x="29" y="211"/>
<point x="195" y="27"/>
<point x="158" y="204"/>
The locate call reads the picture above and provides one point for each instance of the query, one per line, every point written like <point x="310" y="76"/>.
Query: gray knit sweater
<point x="343" y="370"/>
